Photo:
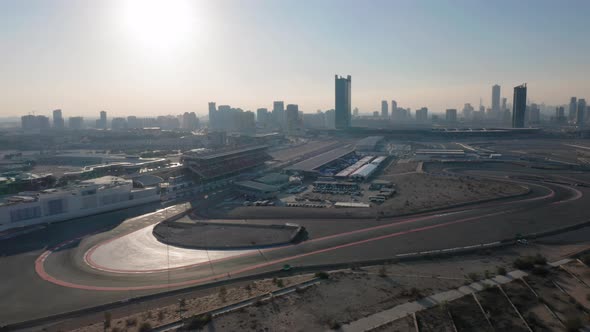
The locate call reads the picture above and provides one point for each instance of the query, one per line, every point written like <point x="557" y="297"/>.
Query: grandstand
<point x="219" y="164"/>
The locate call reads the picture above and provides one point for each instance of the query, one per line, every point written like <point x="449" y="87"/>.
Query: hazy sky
<point x="148" y="57"/>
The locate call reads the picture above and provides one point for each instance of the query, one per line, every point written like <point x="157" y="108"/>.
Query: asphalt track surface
<point x="58" y="278"/>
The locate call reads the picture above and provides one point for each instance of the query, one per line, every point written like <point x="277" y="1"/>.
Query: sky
<point x="156" y="57"/>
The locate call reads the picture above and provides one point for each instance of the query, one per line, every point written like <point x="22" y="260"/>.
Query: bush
<point x="107" y="319"/>
<point x="539" y="259"/>
<point x="334" y="325"/>
<point x="540" y="271"/>
<point x="322" y="275"/>
<point x="280" y="283"/>
<point x="528" y="262"/>
<point x="131" y="321"/>
<point x="145" y="327"/>
<point x="222" y="293"/>
<point x="161" y="315"/>
<point x="523" y="263"/>
<point x="197" y="322"/>
<point x="585" y="259"/>
<point x="473" y="276"/>
<point x="383" y="271"/>
<point x="501" y="270"/>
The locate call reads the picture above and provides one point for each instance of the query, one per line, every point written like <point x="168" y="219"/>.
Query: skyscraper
<point x="58" y="120"/>
<point x="571" y="115"/>
<point x="384" y="109"/>
<point x="278" y="113"/>
<point x="76" y="122"/>
<point x="451" y="115"/>
<point x="34" y="122"/>
<point x="422" y="114"/>
<point x="342" y="102"/>
<point x="580" y="113"/>
<point x="292" y="115"/>
<point x="393" y="106"/>
<point x="101" y="123"/>
<point x="212" y="115"/>
<point x="496" y="98"/>
<point x="519" y="106"/>
<point x="262" y="116"/>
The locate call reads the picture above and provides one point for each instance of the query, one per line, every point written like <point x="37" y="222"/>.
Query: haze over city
<point x="87" y="56"/>
<point x="294" y="165"/>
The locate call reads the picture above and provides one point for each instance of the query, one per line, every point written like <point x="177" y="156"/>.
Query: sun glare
<point x="160" y="25"/>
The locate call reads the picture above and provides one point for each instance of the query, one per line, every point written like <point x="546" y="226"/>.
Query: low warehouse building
<point x="257" y="189"/>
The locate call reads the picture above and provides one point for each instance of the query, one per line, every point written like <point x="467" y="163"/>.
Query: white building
<point x="82" y="199"/>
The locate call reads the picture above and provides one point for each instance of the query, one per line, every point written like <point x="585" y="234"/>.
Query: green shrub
<point x="501" y="270"/>
<point x="322" y="275"/>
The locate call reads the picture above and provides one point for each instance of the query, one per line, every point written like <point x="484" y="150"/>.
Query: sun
<point x="159" y="25"/>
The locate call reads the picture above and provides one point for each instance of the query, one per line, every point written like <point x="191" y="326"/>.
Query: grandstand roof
<point x="369" y="143"/>
<point x="221" y="154"/>
<point x="273" y="178"/>
<point x="311" y="164"/>
<point x="257" y="186"/>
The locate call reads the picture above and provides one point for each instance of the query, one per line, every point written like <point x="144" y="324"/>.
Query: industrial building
<point x="312" y="165"/>
<point x="82" y="199"/>
<point x="211" y="165"/>
<point x="257" y="189"/>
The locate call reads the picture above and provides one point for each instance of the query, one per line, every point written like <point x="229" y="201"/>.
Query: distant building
<point x="330" y="119"/>
<point x="212" y="114"/>
<point x="315" y="120"/>
<point x="34" y="122"/>
<point x="534" y="114"/>
<point x="572" y="109"/>
<point x="384" y="109"/>
<point x="451" y="115"/>
<point x="580" y="113"/>
<point x="58" y="120"/>
<point x="422" y="114"/>
<point x="504" y="107"/>
<point x="355" y="111"/>
<point x="262" y="116"/>
<point x="118" y="124"/>
<point x="190" y="121"/>
<point x="101" y="123"/>
<point x="278" y="113"/>
<point x="560" y="114"/>
<point x="342" y="102"/>
<point x="393" y="106"/>
<point x="76" y="122"/>
<point x="468" y="111"/>
<point x="292" y="114"/>
<point x="496" y="98"/>
<point x="519" y="106"/>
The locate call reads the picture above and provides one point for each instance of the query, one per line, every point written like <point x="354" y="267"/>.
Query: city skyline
<point x="83" y="59"/>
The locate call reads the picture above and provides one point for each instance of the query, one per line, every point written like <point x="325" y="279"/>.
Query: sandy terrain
<point x="534" y="312"/>
<point x="351" y="294"/>
<point x="415" y="192"/>
<point x="224" y="296"/>
<point x="437" y="319"/>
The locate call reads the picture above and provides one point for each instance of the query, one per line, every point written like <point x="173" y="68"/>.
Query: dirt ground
<point x="351" y="294"/>
<point x="415" y="192"/>
<point x="168" y="314"/>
